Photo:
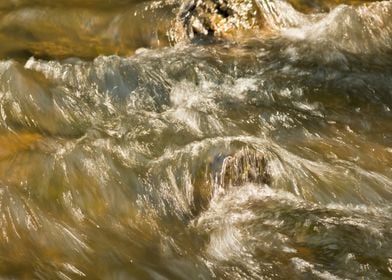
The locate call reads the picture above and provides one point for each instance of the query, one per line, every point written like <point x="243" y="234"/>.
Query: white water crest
<point x="364" y="29"/>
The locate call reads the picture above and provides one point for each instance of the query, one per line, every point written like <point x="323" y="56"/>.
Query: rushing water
<point x="130" y="152"/>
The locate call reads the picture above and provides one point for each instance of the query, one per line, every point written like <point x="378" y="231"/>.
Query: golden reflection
<point x="11" y="144"/>
<point x="217" y="161"/>
<point x="64" y="29"/>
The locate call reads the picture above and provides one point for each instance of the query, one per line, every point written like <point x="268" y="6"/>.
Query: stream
<point x="195" y="140"/>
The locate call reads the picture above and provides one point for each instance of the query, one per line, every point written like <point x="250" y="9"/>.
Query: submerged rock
<point x="11" y="144"/>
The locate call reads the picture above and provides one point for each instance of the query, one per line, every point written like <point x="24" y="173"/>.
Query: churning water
<point x="129" y="151"/>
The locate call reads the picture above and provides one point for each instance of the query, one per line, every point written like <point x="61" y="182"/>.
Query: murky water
<point x="143" y="140"/>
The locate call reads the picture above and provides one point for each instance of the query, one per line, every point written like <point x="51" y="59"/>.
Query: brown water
<point x="129" y="151"/>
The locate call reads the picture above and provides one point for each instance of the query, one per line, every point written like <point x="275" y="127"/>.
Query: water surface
<point x="134" y="154"/>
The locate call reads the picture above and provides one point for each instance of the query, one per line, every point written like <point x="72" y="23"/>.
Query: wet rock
<point x="211" y="18"/>
<point x="244" y="166"/>
<point x="206" y="19"/>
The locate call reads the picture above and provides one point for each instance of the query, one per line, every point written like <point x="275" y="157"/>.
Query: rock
<point x="245" y="166"/>
<point x="217" y="18"/>
<point x="201" y="19"/>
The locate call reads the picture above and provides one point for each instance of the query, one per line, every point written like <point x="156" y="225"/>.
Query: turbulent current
<point x="195" y="140"/>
